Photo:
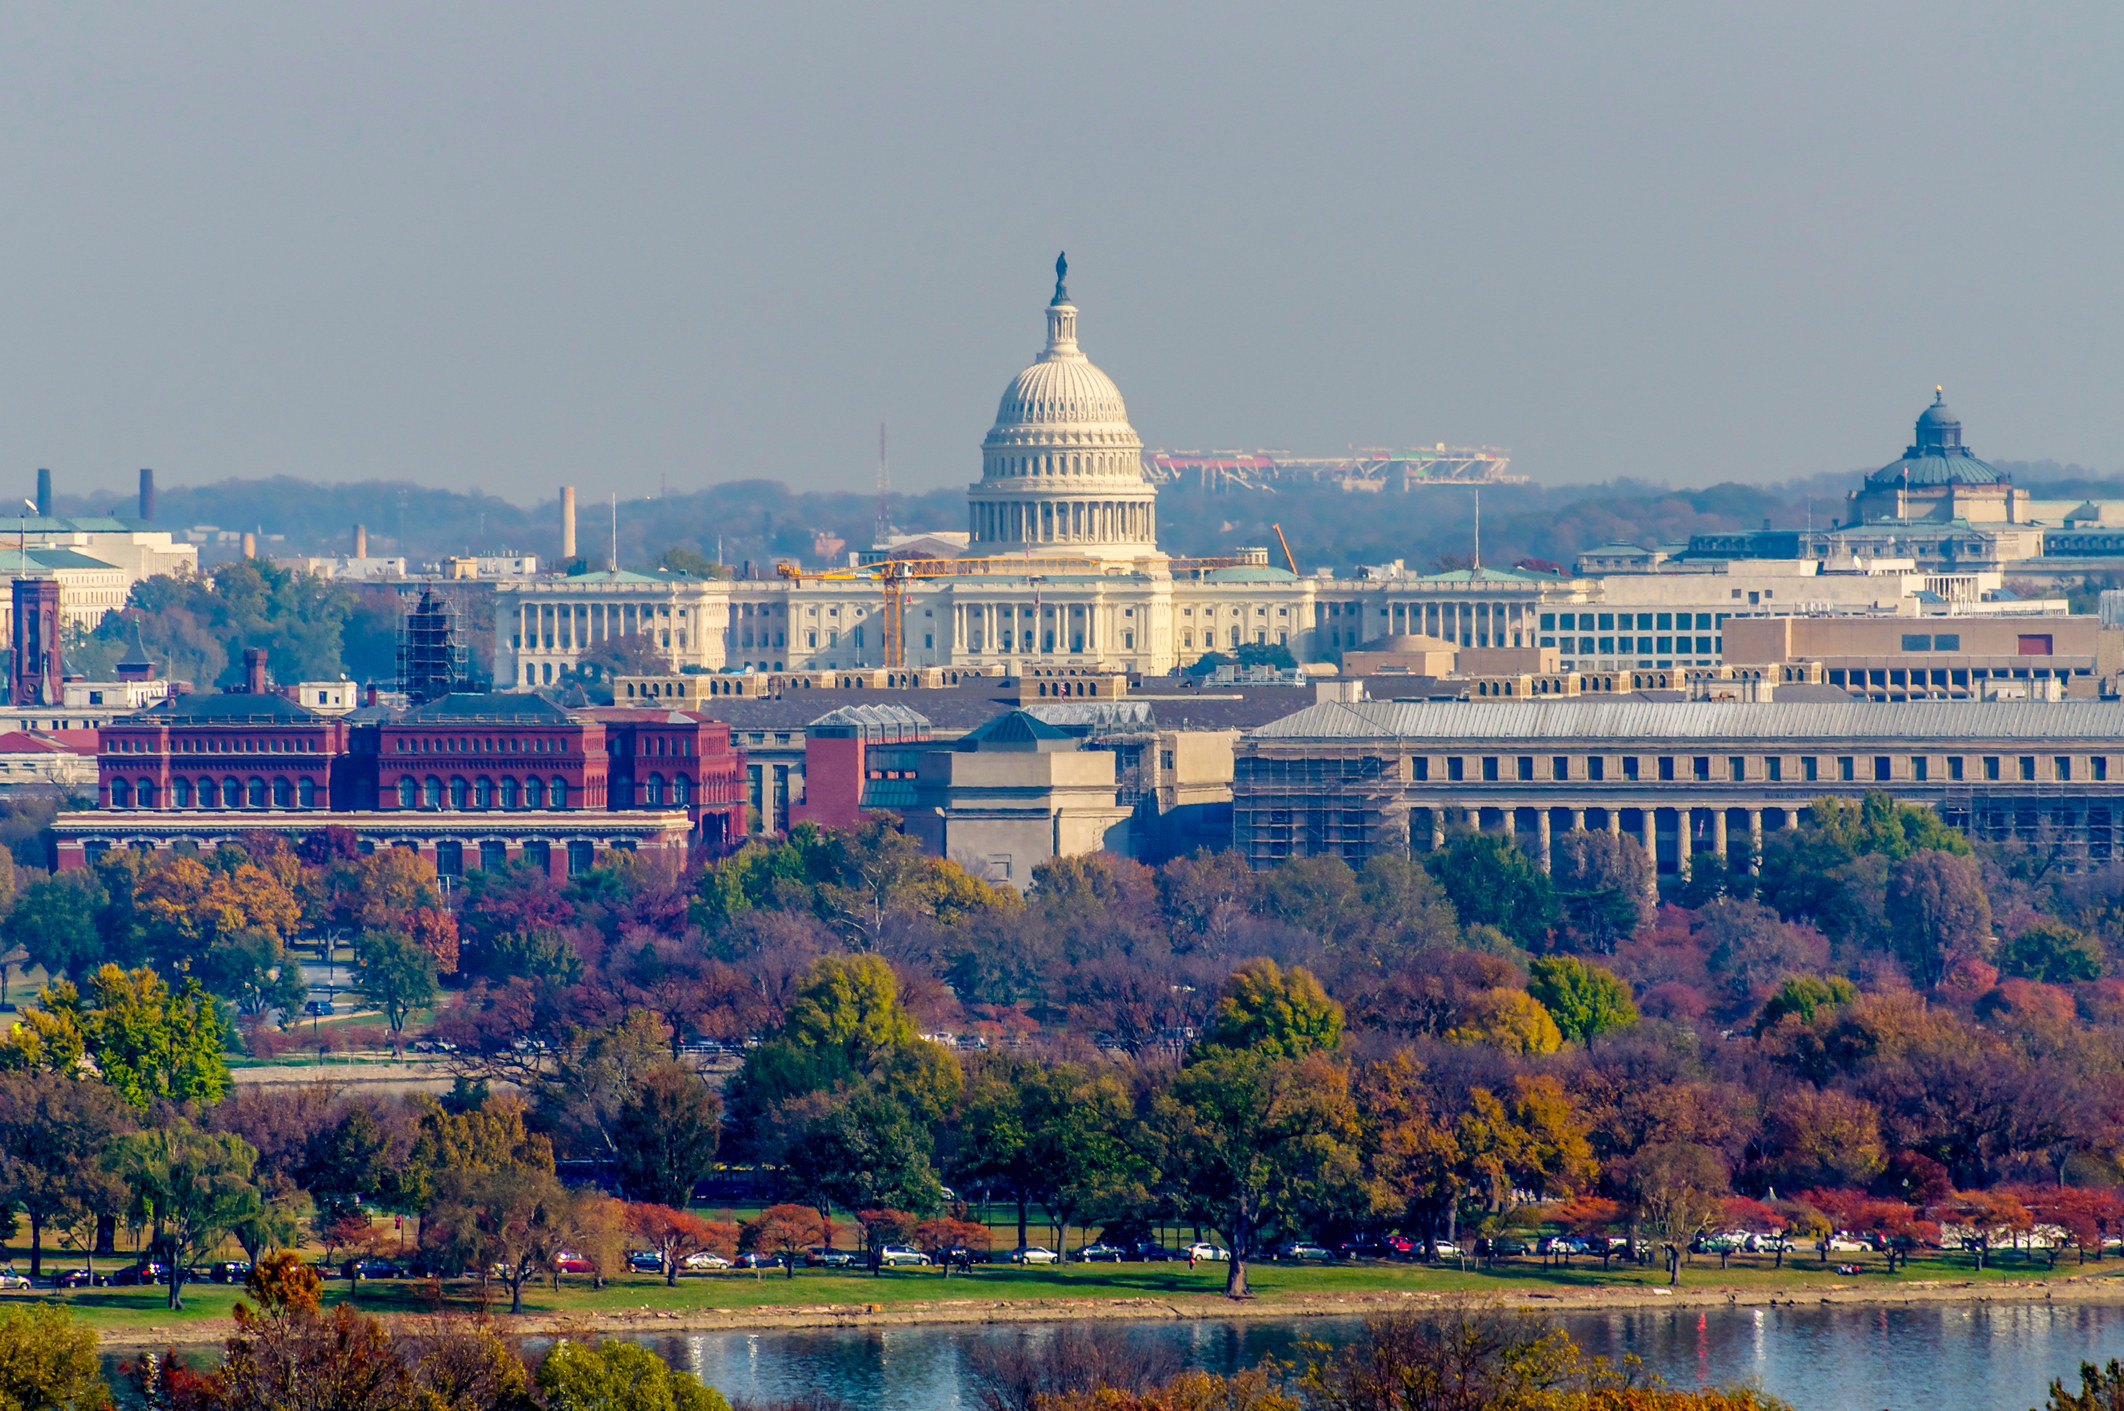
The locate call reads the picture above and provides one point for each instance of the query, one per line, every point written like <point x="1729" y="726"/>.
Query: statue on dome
<point x="1061" y="273"/>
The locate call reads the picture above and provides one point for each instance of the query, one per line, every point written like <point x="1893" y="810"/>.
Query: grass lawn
<point x="142" y="1310"/>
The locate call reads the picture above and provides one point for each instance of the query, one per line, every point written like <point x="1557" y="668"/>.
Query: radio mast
<point x="884" y="491"/>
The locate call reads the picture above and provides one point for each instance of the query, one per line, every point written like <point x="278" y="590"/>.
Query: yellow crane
<point x="893" y="576"/>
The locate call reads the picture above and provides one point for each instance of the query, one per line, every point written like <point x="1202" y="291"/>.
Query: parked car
<point x="1399" y="1246"/>
<point x="704" y="1260"/>
<point x="1206" y="1251"/>
<point x="1500" y="1247"/>
<point x="1302" y="1249"/>
<point x="317" y="1007"/>
<point x="1109" y="1253"/>
<point x="148" y="1273"/>
<point x="1843" y="1245"/>
<point x="1033" y="1254"/>
<point x="825" y="1258"/>
<point x="1444" y="1249"/>
<point x="9" y="1279"/>
<point x="959" y="1254"/>
<point x="371" y="1269"/>
<point x="1150" y="1252"/>
<point x="894" y="1255"/>
<point x="1364" y="1246"/>
<point x="645" y="1261"/>
<point x="757" y="1260"/>
<point x="567" y="1261"/>
<point x="229" y="1271"/>
<point x="80" y="1279"/>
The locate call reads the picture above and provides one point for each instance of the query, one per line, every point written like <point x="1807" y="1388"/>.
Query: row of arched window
<point x="207" y="792"/>
<point x="482" y="792"/>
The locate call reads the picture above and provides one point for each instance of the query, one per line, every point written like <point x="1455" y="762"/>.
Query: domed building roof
<point x="1063" y="399"/>
<point x="1938" y="456"/>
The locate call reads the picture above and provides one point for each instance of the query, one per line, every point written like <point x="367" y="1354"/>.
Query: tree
<point x="1605" y="889"/>
<point x="1676" y="1188"/>
<point x="149" y="1044"/>
<point x="48" y="1362"/>
<point x="1584" y="1000"/>
<point x="784" y="1231"/>
<point x="674" y="1234"/>
<point x="252" y="969"/>
<point x="1258" y="1142"/>
<point x="1413" y="1158"/>
<point x="2051" y="952"/>
<point x="666" y="1135"/>
<point x="514" y="1216"/>
<point x="863" y="1149"/>
<point x="1280" y="1015"/>
<point x="396" y="974"/>
<point x="1938" y="912"/>
<point x="619" y="1376"/>
<point x="53" y="1132"/>
<point x="1085" y="1150"/>
<point x="1492" y="883"/>
<point x="196" y="1187"/>
<point x="1511" y="1021"/>
<point x="2101" y="1389"/>
<point x="1803" y="996"/>
<point x="54" y="921"/>
<point x="1822" y="1137"/>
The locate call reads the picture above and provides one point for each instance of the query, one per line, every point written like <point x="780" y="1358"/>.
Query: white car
<point x="1446" y="1249"/>
<point x="1034" y="1254"/>
<point x="894" y="1255"/>
<point x="1844" y="1246"/>
<point x="1207" y="1251"/>
<point x="9" y="1279"/>
<point x="704" y="1260"/>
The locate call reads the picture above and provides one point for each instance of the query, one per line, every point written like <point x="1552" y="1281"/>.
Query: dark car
<point x="371" y="1269"/>
<point x="1111" y="1253"/>
<point x="80" y="1279"/>
<point x="645" y="1261"/>
<point x="318" y="1007"/>
<point x="137" y="1274"/>
<point x="959" y="1256"/>
<point x="825" y="1257"/>
<point x="229" y="1271"/>
<point x="1151" y="1252"/>
<point x="1502" y="1247"/>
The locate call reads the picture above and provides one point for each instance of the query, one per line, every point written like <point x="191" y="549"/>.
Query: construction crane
<point x="893" y="575"/>
<point x="1286" y="549"/>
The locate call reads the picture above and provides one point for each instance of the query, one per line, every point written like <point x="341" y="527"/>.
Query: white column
<point x="1541" y="837"/>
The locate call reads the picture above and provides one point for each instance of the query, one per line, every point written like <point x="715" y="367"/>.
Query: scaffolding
<point x="1364" y="470"/>
<point x="432" y="662"/>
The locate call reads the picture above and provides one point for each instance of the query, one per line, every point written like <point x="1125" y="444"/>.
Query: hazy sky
<point x="518" y="245"/>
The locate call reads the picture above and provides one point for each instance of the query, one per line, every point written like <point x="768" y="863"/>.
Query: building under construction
<point x="1359" y="471"/>
<point x="432" y="662"/>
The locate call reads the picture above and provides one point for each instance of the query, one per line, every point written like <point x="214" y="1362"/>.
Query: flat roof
<point x="1889" y="724"/>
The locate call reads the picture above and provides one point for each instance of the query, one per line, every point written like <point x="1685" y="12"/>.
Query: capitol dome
<point x="1937" y="455"/>
<point x="1062" y="470"/>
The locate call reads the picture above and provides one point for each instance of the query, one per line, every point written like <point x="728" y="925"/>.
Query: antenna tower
<point x="884" y="490"/>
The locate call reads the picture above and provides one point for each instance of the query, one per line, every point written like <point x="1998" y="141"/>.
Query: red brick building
<point x="469" y="779"/>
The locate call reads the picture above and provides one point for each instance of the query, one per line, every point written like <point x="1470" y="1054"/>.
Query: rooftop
<point x="1895" y="725"/>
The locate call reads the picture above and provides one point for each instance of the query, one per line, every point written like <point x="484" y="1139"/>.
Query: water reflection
<point x="1988" y="1357"/>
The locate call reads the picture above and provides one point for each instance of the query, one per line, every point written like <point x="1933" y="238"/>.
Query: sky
<point x="510" y="246"/>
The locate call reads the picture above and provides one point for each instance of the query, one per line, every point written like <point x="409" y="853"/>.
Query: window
<point x="1947" y="642"/>
<point x="534" y="794"/>
<point x="1596" y="767"/>
<point x="681" y="790"/>
<point x="1560" y="767"/>
<point x="1526" y="768"/>
<point x="431" y="792"/>
<point x="283" y="793"/>
<point x="1165" y="760"/>
<point x="1666" y="768"/>
<point x="2028" y="767"/>
<point x="306" y="792"/>
<point x="483" y="792"/>
<point x="508" y="793"/>
<point x="181" y="793"/>
<point x="460" y="792"/>
<point x="1883" y="769"/>
<point x="1954" y="766"/>
<point x="1846" y="768"/>
<point x="1737" y="769"/>
<point x="1489" y="769"/>
<point x="121" y="794"/>
<point x="1419" y="769"/>
<point x="1774" y="768"/>
<point x="255" y="793"/>
<point x="653" y="791"/>
<point x="449" y="858"/>
<point x="1991" y="766"/>
<point x="493" y="856"/>
<point x="1454" y="768"/>
<point x="1630" y="767"/>
<point x="557" y="794"/>
<point x="408" y="792"/>
<point x="1607" y="622"/>
<point x="1701" y="767"/>
<point x="2100" y="765"/>
<point x="1917" y="642"/>
<point x="2064" y="764"/>
<point x="1809" y="769"/>
<point x="539" y="853"/>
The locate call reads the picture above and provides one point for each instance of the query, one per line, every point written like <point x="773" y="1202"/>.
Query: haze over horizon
<point x="504" y="248"/>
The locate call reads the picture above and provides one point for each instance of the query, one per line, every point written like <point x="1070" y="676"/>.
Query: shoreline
<point x="2073" y="1288"/>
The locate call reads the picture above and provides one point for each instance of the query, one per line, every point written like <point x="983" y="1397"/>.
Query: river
<point x="1932" y="1357"/>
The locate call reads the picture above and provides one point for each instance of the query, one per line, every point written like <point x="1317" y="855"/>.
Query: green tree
<point x="515" y="1216"/>
<point x="395" y="973"/>
<point x="1086" y="1153"/>
<point x="195" y="1186"/>
<point x="149" y="1044"/>
<point x="1604" y="887"/>
<point x="252" y="969"/>
<point x="1938" y="912"/>
<point x="2101" y="1389"/>
<point x="2052" y="952"/>
<point x="1584" y="1000"/>
<point x="1491" y="882"/>
<point x="54" y="921"/>
<point x="48" y="1362"/>
<point x="53" y="1133"/>
<point x="619" y="1376"/>
<point x="1259" y="1143"/>
<point x="1803" y="995"/>
<point x="865" y="1151"/>
<point x="666" y="1135"/>
<point x="1273" y="1012"/>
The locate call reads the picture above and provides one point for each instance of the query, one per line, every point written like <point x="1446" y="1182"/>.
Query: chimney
<point x="374" y="695"/>
<point x="361" y="541"/>
<point x="44" y="494"/>
<point x="254" y="670"/>
<point x="567" y="522"/>
<point x="147" y="494"/>
<point x="250" y="544"/>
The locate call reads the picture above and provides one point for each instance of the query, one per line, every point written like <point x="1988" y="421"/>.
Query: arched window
<point x="483" y="792"/>
<point x="306" y="792"/>
<point x="534" y="794"/>
<point x="232" y="793"/>
<point x="181" y="793"/>
<point x="460" y="792"/>
<point x="145" y="793"/>
<point x="121" y="794"/>
<point x="255" y="792"/>
<point x="508" y="793"/>
<point x="681" y="790"/>
<point x="209" y="796"/>
<point x="431" y="792"/>
<point x="653" y="792"/>
<point x="557" y="796"/>
<point x="408" y="792"/>
<point x="283" y="793"/>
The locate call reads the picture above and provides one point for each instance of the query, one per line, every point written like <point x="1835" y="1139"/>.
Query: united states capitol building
<point x="1063" y="571"/>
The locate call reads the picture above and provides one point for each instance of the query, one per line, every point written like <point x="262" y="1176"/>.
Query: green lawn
<point x="141" y="1310"/>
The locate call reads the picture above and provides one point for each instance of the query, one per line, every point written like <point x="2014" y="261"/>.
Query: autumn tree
<point x="785" y="1232"/>
<point x="1584" y="1000"/>
<point x="1939" y="912"/>
<point x="1280" y="1014"/>
<point x="1676" y="1188"/>
<point x="675" y="1234"/>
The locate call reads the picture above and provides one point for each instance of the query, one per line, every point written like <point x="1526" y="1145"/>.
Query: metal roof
<point x="887" y="714"/>
<point x="1895" y="722"/>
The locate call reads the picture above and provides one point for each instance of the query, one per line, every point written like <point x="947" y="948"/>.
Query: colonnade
<point x="1064" y="521"/>
<point x="1689" y="830"/>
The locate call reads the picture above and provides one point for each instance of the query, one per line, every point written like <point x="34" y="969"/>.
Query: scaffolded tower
<point x="432" y="663"/>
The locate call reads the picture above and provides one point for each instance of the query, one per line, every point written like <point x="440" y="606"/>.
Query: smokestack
<point x="250" y="544"/>
<point x="44" y="494"/>
<point x="147" y="494"/>
<point x="567" y="522"/>
<point x="254" y="660"/>
<point x="361" y="541"/>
